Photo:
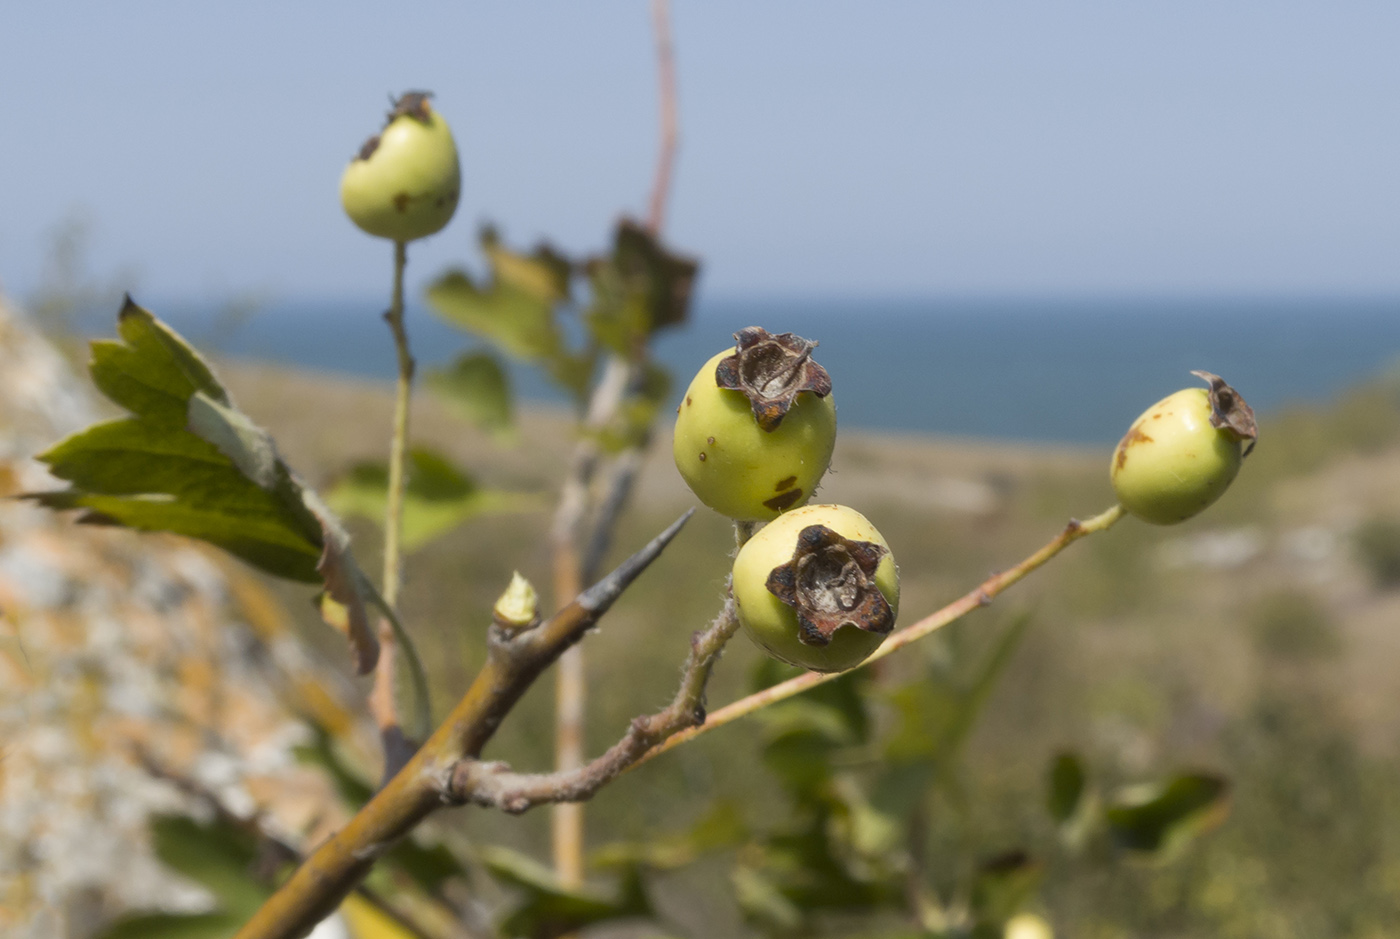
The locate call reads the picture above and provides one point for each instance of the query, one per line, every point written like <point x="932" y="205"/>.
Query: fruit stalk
<point x="980" y="596"/>
<point x="383" y="701"/>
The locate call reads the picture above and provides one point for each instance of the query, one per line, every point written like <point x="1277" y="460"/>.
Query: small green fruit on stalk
<point x="405" y="182"/>
<point x="817" y="588"/>
<point x="756" y="428"/>
<point x="1183" y="452"/>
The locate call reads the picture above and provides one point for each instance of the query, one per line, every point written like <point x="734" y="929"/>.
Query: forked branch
<point x="494" y="785"/>
<point x="423" y="785"/>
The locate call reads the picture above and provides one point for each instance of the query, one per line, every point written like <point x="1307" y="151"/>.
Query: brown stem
<point x="513" y="664"/>
<point x="570" y="690"/>
<point x="670" y="123"/>
<point x="493" y="784"/>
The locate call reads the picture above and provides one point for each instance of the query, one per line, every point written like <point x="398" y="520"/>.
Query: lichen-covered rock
<point x="121" y="652"/>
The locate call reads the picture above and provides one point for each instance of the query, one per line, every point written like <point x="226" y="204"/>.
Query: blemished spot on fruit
<point x="785" y="501"/>
<point x="1134" y="435"/>
<point x="782" y="484"/>
<point x="702" y="456"/>
<point x="401" y="202"/>
<point x="710" y="441"/>
<point x="688" y="401"/>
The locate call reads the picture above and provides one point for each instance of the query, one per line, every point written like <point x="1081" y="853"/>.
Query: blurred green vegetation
<point x="1144" y="650"/>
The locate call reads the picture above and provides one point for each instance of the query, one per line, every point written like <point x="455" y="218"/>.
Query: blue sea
<point x="1051" y="370"/>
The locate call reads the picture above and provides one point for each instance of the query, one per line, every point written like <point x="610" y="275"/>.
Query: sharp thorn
<point x="600" y="596"/>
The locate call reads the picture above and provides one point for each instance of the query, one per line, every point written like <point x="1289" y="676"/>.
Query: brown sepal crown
<point x="412" y="104"/>
<point x="830" y="582"/>
<point x="772" y="371"/>
<point x="1229" y="412"/>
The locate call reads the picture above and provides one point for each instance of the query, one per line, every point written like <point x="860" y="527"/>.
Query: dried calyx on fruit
<point x="1183" y="452"/>
<point x="405" y="181"/>
<point x="755" y="430"/>
<point x="830" y="583"/>
<point x="817" y="588"/>
<point x="771" y="371"/>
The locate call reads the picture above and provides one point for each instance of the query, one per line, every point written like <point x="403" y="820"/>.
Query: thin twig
<point x="974" y="599"/>
<point x="622" y="477"/>
<point x="670" y="123"/>
<point x="493" y="784"/>
<point x="570" y="569"/>
<point x="383" y="699"/>
<point x="570" y="689"/>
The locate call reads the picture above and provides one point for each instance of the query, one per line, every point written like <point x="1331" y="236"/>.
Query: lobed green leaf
<point x="437" y="498"/>
<point x="188" y="462"/>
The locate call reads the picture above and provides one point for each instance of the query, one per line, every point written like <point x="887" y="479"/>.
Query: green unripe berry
<point x="817" y="588"/>
<point x="1183" y="452"/>
<point x="756" y="428"/>
<point x="404" y="183"/>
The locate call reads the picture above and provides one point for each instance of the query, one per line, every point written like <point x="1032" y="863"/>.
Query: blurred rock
<point x="117" y="647"/>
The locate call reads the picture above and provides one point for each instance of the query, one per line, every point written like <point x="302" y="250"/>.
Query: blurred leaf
<point x="517" y="310"/>
<point x="477" y="388"/>
<point x="367" y="921"/>
<point x="548" y="910"/>
<point x="867" y="841"/>
<point x="438" y="497"/>
<point x="762" y="901"/>
<point x="574" y="373"/>
<point x="430" y="866"/>
<point x="801" y="734"/>
<point x="1161" y="818"/>
<point x="1067" y="786"/>
<point x="522" y="325"/>
<point x="927" y="713"/>
<point x="544" y="274"/>
<point x="637" y="289"/>
<point x="188" y="462"/>
<point x="805" y="870"/>
<point x="720" y="828"/>
<point x="835" y="708"/>
<point x="174" y="926"/>
<point x="937" y="713"/>
<point x="984" y="682"/>
<point x="217" y="855"/>
<point x="1002" y="886"/>
<point x="353" y="788"/>
<point x="1072" y="803"/>
<point x="631" y="427"/>
<point x="768" y="671"/>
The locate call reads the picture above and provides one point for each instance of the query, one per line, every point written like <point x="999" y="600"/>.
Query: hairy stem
<point x="493" y="784"/>
<point x="974" y="599"/>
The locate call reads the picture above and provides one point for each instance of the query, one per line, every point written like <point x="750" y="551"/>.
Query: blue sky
<point x="849" y="148"/>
